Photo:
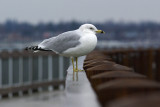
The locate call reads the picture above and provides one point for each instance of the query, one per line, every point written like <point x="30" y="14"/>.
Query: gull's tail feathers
<point x="36" y="49"/>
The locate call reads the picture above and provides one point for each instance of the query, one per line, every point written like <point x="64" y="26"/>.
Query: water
<point x="128" y="44"/>
<point x="101" y="44"/>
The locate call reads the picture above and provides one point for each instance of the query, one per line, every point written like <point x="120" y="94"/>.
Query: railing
<point x="144" y="61"/>
<point x="117" y="85"/>
<point x="27" y="69"/>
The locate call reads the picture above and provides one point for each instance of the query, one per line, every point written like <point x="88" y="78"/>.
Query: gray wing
<point x="61" y="42"/>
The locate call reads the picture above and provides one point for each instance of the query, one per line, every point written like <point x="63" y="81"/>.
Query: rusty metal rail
<point x="115" y="83"/>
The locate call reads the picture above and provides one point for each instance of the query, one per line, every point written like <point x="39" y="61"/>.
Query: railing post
<point x="61" y="70"/>
<point x="10" y="74"/>
<point x="20" y="70"/>
<point x="40" y="69"/>
<point x="149" y="64"/>
<point x="50" y="68"/>
<point x="20" y="74"/>
<point x="30" y="72"/>
<point x="157" y="61"/>
<point x="50" y="71"/>
<point x="126" y="59"/>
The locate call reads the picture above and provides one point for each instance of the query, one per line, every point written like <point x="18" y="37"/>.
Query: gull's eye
<point x="91" y="28"/>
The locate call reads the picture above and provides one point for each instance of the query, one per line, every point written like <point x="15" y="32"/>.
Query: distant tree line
<point x="30" y="30"/>
<point x="11" y="26"/>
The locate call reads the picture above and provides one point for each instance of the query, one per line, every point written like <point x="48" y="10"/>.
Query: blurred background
<point x="127" y="23"/>
<point x="23" y="23"/>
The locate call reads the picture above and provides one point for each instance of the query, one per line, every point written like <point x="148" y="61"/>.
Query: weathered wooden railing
<point x="117" y="85"/>
<point x="143" y="61"/>
<point x="22" y="71"/>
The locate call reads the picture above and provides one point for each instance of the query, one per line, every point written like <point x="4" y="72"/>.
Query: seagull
<point x="72" y="44"/>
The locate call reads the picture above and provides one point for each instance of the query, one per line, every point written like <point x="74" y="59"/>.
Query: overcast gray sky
<point x="35" y="11"/>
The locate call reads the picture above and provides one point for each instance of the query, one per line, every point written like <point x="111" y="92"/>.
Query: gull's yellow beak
<point x="100" y="31"/>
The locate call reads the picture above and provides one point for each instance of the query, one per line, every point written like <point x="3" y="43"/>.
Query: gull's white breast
<point x="87" y="43"/>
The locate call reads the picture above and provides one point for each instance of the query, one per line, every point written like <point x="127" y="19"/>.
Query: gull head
<point x="89" y="28"/>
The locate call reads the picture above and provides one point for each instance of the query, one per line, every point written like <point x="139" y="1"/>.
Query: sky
<point x="35" y="11"/>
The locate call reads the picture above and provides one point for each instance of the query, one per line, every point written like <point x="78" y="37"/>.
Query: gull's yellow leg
<point x="73" y="68"/>
<point x="77" y="65"/>
<point x="73" y="65"/>
<point x="76" y="68"/>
